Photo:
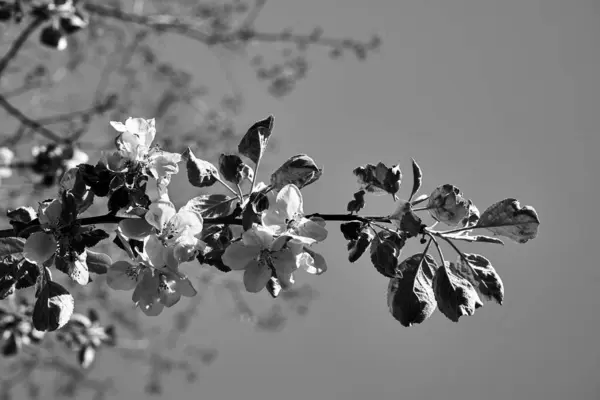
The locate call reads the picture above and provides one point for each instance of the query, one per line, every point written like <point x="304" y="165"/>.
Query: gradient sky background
<point x="497" y="97"/>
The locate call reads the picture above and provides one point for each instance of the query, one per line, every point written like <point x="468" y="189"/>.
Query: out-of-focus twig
<point x="171" y="23"/>
<point x="18" y="43"/>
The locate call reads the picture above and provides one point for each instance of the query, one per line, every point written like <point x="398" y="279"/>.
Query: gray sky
<point x="497" y="97"/>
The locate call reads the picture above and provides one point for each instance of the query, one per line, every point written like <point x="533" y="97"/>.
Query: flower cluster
<point x="260" y="229"/>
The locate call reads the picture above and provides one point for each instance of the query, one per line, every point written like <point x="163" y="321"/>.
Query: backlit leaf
<point x="483" y="277"/>
<point x="507" y="218"/>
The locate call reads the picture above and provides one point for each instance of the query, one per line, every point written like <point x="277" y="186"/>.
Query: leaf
<point x="86" y="356"/>
<point x="118" y="199"/>
<point x="474" y="238"/>
<point x="212" y="205"/>
<point x="27" y="276"/>
<point x="299" y="170"/>
<point x="386" y="250"/>
<point x="357" y="247"/>
<point x="53" y="308"/>
<point x="22" y="214"/>
<point x="97" y="263"/>
<point x="351" y="230"/>
<point x="417" y="178"/>
<point x="254" y="142"/>
<point x="200" y="173"/>
<point x="358" y="203"/>
<point x="379" y="178"/>
<point x="411" y="299"/>
<point x="412" y="224"/>
<point x="483" y="277"/>
<point x="233" y="169"/>
<point x="11" y="245"/>
<point x="93" y="237"/>
<point x="507" y="218"/>
<point x="455" y="295"/>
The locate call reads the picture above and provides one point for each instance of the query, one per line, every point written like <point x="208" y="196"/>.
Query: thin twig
<point x="18" y="43"/>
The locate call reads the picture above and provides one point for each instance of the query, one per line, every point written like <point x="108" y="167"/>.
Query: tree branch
<point x="34" y="225"/>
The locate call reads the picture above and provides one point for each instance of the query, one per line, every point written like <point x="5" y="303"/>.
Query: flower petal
<point x="312" y="262"/>
<point x="312" y="229"/>
<point x="159" y="213"/>
<point x="256" y="277"/>
<point x="285" y="262"/>
<point x="258" y="236"/>
<point x="157" y="253"/>
<point x="163" y="163"/>
<point x="237" y="256"/>
<point x="135" y="228"/>
<point x="291" y="197"/>
<point x="118" y="276"/>
<point x="39" y="247"/>
<point x="184" y="286"/>
<point x="119" y="127"/>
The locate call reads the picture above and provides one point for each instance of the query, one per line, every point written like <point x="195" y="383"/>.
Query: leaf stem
<point x="439" y="249"/>
<point x="218" y="178"/>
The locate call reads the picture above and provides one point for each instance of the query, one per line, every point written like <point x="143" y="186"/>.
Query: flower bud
<point x="6" y="156"/>
<point x="299" y="170"/>
<point x="53" y="38"/>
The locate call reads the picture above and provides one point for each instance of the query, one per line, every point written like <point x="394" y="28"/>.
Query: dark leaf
<point x="93" y="237"/>
<point x="358" y="203"/>
<point x="118" y="200"/>
<point x="351" y="230"/>
<point x="299" y="170"/>
<point x="357" y="247"/>
<point x="386" y="250"/>
<point x="200" y="173"/>
<point x="379" y="178"/>
<point x="53" y="308"/>
<point x="455" y="295"/>
<point x="28" y="275"/>
<point x="411" y="224"/>
<point x="230" y="166"/>
<point x="411" y="299"/>
<point x="254" y="142"/>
